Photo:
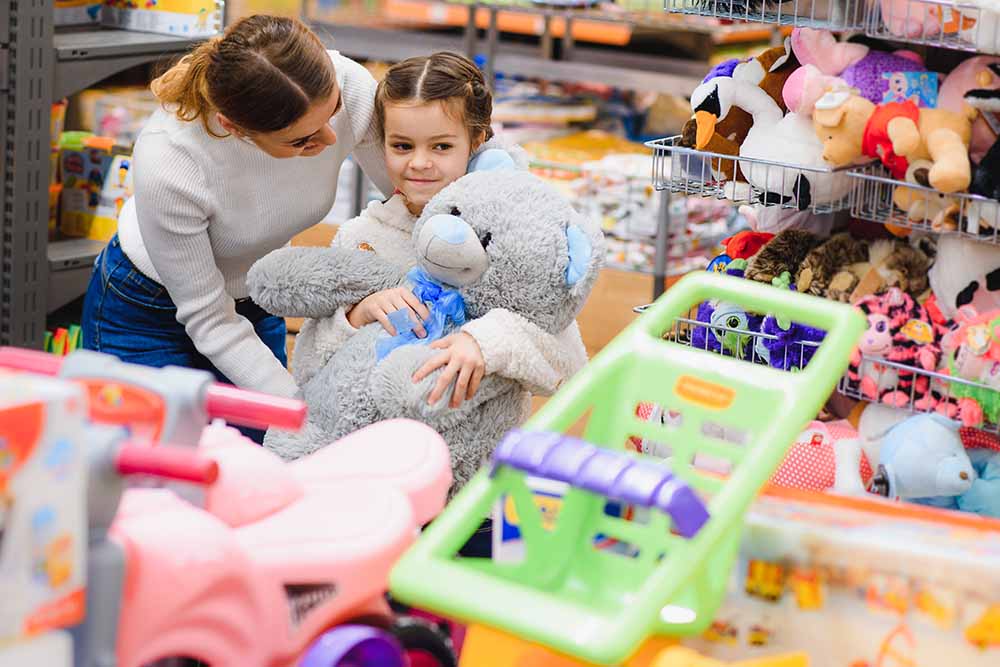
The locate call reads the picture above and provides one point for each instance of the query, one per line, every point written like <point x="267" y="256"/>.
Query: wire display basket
<point x="646" y="12"/>
<point x="965" y="26"/>
<point x="731" y="333"/>
<point x="877" y="197"/>
<point x="687" y="171"/>
<point x="923" y="391"/>
<point x="828" y="14"/>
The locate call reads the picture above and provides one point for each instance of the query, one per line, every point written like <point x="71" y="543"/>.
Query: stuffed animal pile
<point x="820" y="106"/>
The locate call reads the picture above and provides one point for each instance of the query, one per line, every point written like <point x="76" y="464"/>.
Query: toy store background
<point x="842" y="149"/>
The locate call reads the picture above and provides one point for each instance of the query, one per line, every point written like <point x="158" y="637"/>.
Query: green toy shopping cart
<point x="730" y="423"/>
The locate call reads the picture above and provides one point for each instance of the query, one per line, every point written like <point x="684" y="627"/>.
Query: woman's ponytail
<point x="184" y="88"/>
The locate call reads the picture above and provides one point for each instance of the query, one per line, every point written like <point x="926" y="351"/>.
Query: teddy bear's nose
<point x="963" y="475"/>
<point x="449" y="229"/>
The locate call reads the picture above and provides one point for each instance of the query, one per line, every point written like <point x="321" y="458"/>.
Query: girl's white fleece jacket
<point x="512" y="346"/>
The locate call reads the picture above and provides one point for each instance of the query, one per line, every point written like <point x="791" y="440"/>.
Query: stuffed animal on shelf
<point x="923" y="457"/>
<point x="784" y="253"/>
<point x="720" y="128"/>
<point x="965" y="272"/>
<point x="981" y="73"/>
<point x="899" y="331"/>
<point x="746" y="244"/>
<point x="826" y="260"/>
<point x="826" y="457"/>
<point x="908" y="19"/>
<point x="858" y="66"/>
<point x="729" y="331"/>
<point x="932" y="208"/>
<point x="492" y="239"/>
<point x="889" y="264"/>
<point x="896" y="133"/>
<point x="981" y="28"/>
<point x="972" y="351"/>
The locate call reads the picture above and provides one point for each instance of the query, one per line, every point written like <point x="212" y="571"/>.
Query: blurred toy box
<point x="97" y="180"/>
<point x="118" y="112"/>
<point x="42" y="506"/>
<point x="850" y="582"/>
<point x="183" y="18"/>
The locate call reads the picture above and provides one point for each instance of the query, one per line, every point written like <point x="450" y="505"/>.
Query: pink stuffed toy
<point x="857" y="65"/>
<point x="905" y="18"/>
<point x="900" y="331"/>
<point x="974" y="73"/>
<point x="805" y="86"/>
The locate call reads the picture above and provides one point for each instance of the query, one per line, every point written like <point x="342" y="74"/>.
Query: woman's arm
<point x="358" y="90"/>
<point x="171" y="206"/>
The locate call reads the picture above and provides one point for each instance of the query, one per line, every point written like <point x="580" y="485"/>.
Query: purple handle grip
<point x="612" y="474"/>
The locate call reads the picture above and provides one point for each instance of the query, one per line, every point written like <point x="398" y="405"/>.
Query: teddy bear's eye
<point x="485" y="240"/>
<point x="455" y="212"/>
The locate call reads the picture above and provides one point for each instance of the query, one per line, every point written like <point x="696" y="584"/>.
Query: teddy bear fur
<point x="534" y="241"/>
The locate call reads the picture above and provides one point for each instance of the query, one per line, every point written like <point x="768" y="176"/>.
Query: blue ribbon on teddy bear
<point x="443" y="303"/>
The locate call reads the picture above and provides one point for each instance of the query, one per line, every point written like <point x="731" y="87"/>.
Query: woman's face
<point x="426" y="147"/>
<point x="306" y="137"/>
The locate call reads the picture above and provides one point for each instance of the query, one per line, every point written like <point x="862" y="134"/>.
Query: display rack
<point x="907" y="387"/>
<point x="961" y="26"/>
<point x="828" y="14"/>
<point x="43" y="64"/>
<point x="691" y="172"/>
<point x="876" y="197"/>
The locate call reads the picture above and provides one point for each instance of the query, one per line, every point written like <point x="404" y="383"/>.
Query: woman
<point x="244" y="154"/>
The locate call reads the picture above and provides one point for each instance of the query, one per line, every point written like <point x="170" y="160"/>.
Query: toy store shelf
<point x="86" y="56"/>
<point x="615" y="68"/>
<point x="70" y="264"/>
<point x="962" y="26"/>
<point x="971" y="403"/>
<point x="877" y="197"/>
<point x="691" y="172"/>
<point x="846" y="15"/>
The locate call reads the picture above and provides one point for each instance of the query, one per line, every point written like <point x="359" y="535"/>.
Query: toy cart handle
<point x="239" y="406"/>
<point x="177" y="463"/>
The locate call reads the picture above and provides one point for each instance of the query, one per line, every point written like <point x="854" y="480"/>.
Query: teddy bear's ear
<point x="580" y="251"/>
<point x="491" y="159"/>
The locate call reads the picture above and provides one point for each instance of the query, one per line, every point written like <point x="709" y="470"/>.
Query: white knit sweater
<point x="512" y="346"/>
<point x="205" y="209"/>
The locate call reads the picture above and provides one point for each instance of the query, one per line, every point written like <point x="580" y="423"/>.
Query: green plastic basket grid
<point x="596" y="604"/>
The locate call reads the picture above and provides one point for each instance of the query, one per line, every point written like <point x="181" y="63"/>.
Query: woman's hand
<point x="376" y="308"/>
<point x="460" y="355"/>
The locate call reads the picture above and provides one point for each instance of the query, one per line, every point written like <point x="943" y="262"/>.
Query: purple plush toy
<point x="867" y="74"/>
<point x="725" y="68"/>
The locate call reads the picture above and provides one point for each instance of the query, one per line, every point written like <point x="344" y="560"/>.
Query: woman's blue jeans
<point x="133" y="318"/>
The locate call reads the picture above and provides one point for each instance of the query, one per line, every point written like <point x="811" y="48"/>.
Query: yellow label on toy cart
<point x="704" y="393"/>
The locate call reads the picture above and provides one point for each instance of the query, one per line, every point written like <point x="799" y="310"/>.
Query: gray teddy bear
<point x="492" y="239"/>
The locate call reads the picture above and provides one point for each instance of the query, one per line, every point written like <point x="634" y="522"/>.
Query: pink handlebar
<point x="179" y="463"/>
<point x="31" y="361"/>
<point x="251" y="408"/>
<point x="239" y="406"/>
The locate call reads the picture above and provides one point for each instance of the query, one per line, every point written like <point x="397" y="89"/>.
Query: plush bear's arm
<point x="314" y="282"/>
<point x="904" y="135"/>
<point x="397" y="395"/>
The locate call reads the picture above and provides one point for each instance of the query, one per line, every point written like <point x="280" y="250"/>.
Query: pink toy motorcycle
<point x="271" y="564"/>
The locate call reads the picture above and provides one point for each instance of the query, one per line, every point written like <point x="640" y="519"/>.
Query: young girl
<point x="433" y="112"/>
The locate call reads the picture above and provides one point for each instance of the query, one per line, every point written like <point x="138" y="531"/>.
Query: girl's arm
<point x="515" y="348"/>
<point x="171" y="205"/>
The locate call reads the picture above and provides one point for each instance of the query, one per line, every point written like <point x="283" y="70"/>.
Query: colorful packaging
<point x="76" y="12"/>
<point x="97" y="180"/>
<point x="43" y="508"/>
<point x="185" y="18"/>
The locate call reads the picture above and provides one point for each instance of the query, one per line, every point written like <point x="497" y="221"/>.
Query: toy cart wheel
<point x="354" y="645"/>
<point x="423" y="644"/>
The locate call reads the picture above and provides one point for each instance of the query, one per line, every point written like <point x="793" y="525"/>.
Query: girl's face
<point x="306" y="137"/>
<point x="426" y="147"/>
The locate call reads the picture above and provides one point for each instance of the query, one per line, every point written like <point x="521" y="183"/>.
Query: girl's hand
<point x="376" y="308"/>
<point x="461" y="357"/>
